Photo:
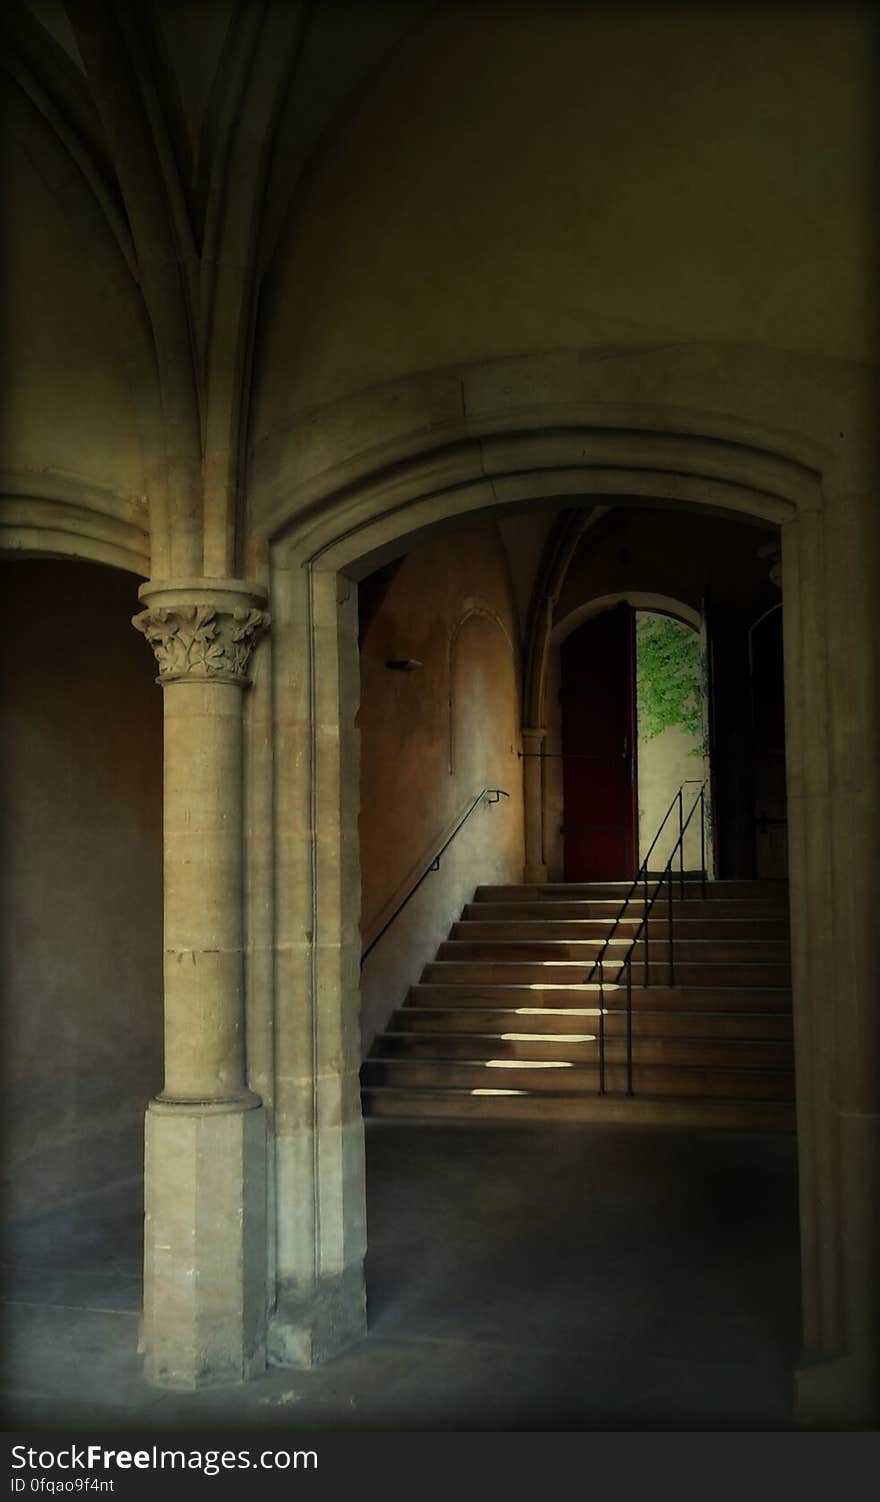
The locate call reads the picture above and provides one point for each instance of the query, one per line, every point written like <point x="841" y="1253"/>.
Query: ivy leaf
<point x="668" y="676"/>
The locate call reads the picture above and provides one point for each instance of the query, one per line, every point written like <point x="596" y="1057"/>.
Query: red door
<point x="599" y="750"/>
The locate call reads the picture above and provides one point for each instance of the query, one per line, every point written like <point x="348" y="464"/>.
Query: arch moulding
<point x="61" y="517"/>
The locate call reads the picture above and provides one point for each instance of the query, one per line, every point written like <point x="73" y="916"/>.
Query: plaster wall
<point x="70" y="349"/>
<point x="431" y="739"/>
<point x="665" y="762"/>
<point x="82" y="883"/>
<point x="517" y="218"/>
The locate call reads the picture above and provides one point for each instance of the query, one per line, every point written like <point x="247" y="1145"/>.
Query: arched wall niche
<point x="473" y="613"/>
<point x="314" y="792"/>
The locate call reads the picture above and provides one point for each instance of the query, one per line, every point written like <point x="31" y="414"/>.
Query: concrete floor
<point x="567" y="1278"/>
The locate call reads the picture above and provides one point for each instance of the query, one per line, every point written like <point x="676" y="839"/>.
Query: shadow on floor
<point x="553" y="1278"/>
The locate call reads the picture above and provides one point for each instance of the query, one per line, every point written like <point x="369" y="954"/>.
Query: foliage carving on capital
<point x="202" y="642"/>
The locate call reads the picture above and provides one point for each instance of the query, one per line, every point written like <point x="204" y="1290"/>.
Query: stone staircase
<point x="502" y="1025"/>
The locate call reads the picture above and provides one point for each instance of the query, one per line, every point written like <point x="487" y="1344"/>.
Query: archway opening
<point x="635" y="718"/>
<point x="437" y="685"/>
<point x="687" y="592"/>
<point x="82" y="951"/>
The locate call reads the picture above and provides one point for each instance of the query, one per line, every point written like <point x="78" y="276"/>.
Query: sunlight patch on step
<point x="527" y="1064"/>
<point x="544" y="964"/>
<point x="570" y="985"/>
<point x="559" y="1011"/>
<point x="499" y="1092"/>
<point x="549" y="1037"/>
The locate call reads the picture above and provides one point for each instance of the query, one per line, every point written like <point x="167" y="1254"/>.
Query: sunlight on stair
<point x="527" y="1064"/>
<point x="569" y="985"/>
<point x="499" y="1092"/>
<point x="549" y="1037"/>
<point x="560" y="1011"/>
<point x="549" y="964"/>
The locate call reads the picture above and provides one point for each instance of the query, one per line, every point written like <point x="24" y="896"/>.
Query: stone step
<point x="583" y="1048"/>
<point x="776" y="891"/>
<point x="684" y="927"/>
<point x="742" y="909"/>
<point x="464" y="993"/>
<point x="542" y="1076"/>
<point x="651" y="1024"/>
<point x="444" y="1105"/>
<point x="566" y="972"/>
<point x="504" y="1024"/>
<point x="715" y="951"/>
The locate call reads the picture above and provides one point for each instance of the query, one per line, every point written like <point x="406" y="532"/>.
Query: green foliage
<point x="668" y="678"/>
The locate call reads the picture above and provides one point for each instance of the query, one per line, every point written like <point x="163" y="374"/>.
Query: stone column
<point x="320" y="1303"/>
<point x="831" y="564"/>
<point x="205" y="1222"/>
<point x="533" y="803"/>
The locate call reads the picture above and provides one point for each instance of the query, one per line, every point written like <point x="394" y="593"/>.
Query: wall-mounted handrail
<point x="492" y="795"/>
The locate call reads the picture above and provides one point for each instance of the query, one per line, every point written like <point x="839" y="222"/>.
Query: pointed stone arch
<point x="346" y="529"/>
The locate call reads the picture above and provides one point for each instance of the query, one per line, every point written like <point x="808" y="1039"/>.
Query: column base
<point x="312" y="1324"/>
<point x="534" y="876"/>
<point x="204" y="1318"/>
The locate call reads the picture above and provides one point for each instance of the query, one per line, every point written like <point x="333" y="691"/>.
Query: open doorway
<point x="635" y="730"/>
<point x="672" y="738"/>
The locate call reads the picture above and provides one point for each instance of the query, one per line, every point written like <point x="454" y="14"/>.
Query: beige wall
<point x="74" y="348"/>
<point x="430" y="741"/>
<point x="665" y="763"/>
<point x="82" y="882"/>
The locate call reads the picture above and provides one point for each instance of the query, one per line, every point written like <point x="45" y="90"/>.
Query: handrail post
<point x="601" y="1033"/>
<point x="703" y="841"/>
<point x="647" y="973"/>
<point x="669" y="908"/>
<point x="629" y="1027"/>
<point x="681" y="842"/>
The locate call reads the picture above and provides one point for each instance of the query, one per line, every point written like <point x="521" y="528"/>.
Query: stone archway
<point x="319" y="1217"/>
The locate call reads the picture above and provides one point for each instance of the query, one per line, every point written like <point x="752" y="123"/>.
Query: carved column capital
<point x="202" y="630"/>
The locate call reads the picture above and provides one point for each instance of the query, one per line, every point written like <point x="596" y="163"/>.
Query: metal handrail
<point x="699" y="802"/>
<point x="642" y="876"/>
<point x="492" y="795"/>
<point x="688" y="782"/>
<point x="642" y="873"/>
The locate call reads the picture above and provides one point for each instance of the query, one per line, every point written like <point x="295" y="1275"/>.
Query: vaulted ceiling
<point x="176" y="137"/>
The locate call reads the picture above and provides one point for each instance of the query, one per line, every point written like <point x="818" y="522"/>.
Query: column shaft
<point x="204" y="1019"/>
<point x="533" y="803"/>
<point x="205" y="1293"/>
